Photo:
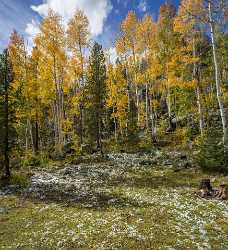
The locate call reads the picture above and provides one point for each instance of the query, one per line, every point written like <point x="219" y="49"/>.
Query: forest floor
<point x="129" y="201"/>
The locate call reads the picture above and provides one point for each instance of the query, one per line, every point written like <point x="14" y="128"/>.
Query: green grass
<point x="144" y="208"/>
<point x="18" y="178"/>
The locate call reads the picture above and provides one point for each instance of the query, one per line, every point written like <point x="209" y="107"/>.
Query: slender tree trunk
<point x="58" y="113"/>
<point x="137" y="103"/>
<point x="6" y="121"/>
<point x="31" y="135"/>
<point x="99" y="110"/>
<point x="82" y="93"/>
<point x="153" y="127"/>
<point x="6" y="118"/>
<point x="168" y="102"/>
<point x="153" y="124"/>
<point x="198" y="91"/>
<point x="28" y="127"/>
<point x="136" y="85"/>
<point x="115" y="124"/>
<point x="200" y="110"/>
<point x="36" y="124"/>
<point x="218" y="83"/>
<point x="168" y="99"/>
<point x="54" y="112"/>
<point x="128" y="93"/>
<point x="100" y="146"/>
<point x="36" y="145"/>
<point x="62" y="115"/>
<point x="36" y="134"/>
<point x="147" y="108"/>
<point x="81" y="124"/>
<point x="27" y="136"/>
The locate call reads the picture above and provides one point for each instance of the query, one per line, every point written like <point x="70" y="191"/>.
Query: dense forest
<point x="168" y="87"/>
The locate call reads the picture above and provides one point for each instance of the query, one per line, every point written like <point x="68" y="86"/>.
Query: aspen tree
<point x="78" y="40"/>
<point x="129" y="45"/>
<point x="146" y="32"/>
<point x="117" y="97"/>
<point x="187" y="26"/>
<point x="51" y="44"/>
<point x="166" y="44"/>
<point x="213" y="13"/>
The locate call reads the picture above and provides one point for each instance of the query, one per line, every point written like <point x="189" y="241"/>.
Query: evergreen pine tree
<point x="96" y="92"/>
<point x="7" y="131"/>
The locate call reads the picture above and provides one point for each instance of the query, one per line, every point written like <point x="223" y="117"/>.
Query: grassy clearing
<point x="143" y="208"/>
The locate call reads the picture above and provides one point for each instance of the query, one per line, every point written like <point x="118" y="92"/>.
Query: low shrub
<point x="211" y="154"/>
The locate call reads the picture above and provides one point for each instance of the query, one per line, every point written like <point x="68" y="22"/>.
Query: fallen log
<point x="222" y="192"/>
<point x="206" y="190"/>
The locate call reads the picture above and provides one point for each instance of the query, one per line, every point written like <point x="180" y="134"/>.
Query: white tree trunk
<point x="147" y="107"/>
<point x="200" y="110"/>
<point x="217" y="80"/>
<point x="198" y="92"/>
<point x="153" y="123"/>
<point x="168" y="102"/>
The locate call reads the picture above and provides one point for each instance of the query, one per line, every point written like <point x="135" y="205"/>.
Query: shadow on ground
<point x="104" y="184"/>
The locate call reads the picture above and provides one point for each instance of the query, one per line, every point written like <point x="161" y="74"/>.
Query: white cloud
<point x="97" y="11"/>
<point x="142" y="6"/>
<point x="14" y="15"/>
<point x="42" y="9"/>
<point x="32" y="29"/>
<point x="112" y="55"/>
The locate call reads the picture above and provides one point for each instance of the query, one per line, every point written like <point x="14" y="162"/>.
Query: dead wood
<point x="206" y="190"/>
<point x="222" y="192"/>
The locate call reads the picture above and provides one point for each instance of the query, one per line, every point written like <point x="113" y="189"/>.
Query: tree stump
<point x="223" y="192"/>
<point x="205" y="188"/>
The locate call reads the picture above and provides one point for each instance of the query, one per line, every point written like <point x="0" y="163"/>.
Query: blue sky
<point x="104" y="15"/>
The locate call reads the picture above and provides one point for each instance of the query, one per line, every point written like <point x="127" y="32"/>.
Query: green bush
<point x="211" y="154"/>
<point x="30" y="159"/>
<point x="20" y="178"/>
